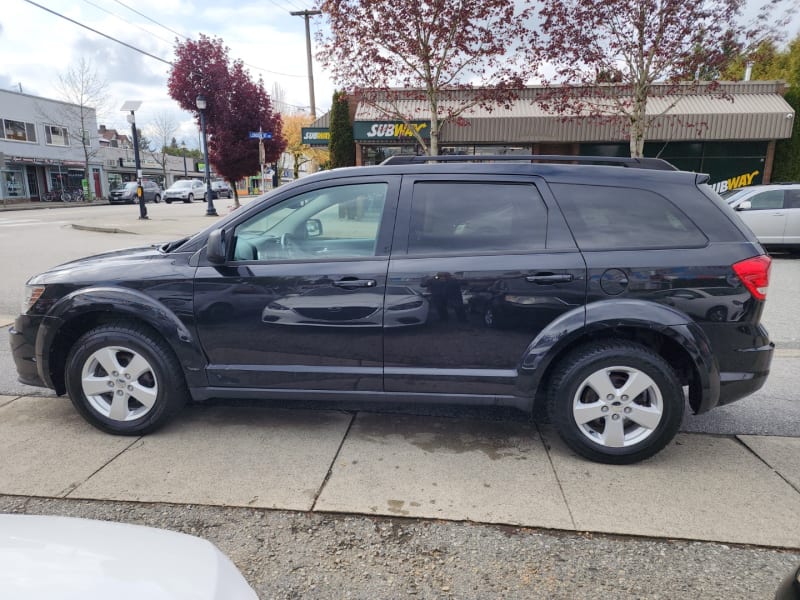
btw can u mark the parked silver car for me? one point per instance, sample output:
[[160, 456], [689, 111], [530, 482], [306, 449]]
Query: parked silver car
[[186, 190], [771, 211]]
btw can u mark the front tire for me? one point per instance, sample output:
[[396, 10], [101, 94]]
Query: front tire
[[156, 199], [124, 380], [189, 199], [615, 402]]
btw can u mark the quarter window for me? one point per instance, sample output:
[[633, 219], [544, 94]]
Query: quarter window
[[480, 217], [615, 218], [19, 131]]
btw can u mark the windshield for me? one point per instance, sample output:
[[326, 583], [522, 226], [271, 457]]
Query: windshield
[[185, 183], [732, 195]]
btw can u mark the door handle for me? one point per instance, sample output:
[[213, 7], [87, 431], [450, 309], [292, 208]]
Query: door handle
[[355, 283], [549, 278]]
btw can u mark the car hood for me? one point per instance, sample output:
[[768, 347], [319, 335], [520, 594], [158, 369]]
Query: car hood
[[94, 267], [45, 557]]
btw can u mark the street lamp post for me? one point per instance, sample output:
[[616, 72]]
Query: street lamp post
[[133, 106], [185, 172], [201, 106]]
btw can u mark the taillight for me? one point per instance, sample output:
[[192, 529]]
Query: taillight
[[754, 273]]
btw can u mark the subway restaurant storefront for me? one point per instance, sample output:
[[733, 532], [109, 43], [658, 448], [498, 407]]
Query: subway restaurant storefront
[[729, 134]]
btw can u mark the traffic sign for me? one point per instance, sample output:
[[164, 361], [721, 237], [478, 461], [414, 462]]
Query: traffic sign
[[266, 135]]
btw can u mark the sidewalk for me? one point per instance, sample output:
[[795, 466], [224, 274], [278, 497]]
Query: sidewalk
[[741, 489]]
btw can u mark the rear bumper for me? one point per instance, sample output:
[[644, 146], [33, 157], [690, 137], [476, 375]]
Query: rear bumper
[[735, 385]]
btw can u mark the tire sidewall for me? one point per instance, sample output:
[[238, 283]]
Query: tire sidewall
[[633, 356], [80, 353]]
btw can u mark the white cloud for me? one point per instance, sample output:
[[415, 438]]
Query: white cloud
[[38, 46]]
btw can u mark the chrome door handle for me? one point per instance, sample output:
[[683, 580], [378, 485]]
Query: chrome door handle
[[355, 283], [547, 278]]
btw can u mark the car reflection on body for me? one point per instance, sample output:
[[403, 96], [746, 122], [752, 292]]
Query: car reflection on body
[[335, 306], [46, 557], [712, 304]]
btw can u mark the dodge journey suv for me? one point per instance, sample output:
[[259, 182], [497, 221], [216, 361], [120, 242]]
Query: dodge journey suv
[[614, 295]]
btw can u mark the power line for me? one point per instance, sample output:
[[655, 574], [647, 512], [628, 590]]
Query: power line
[[105, 10], [100, 33], [151, 20]]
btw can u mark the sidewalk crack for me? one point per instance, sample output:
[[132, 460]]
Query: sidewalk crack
[[333, 462], [555, 474], [71, 488], [758, 456]]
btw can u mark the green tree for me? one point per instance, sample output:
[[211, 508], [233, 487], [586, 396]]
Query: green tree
[[787, 152], [342, 146]]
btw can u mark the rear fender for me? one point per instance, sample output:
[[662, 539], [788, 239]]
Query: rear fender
[[601, 320]]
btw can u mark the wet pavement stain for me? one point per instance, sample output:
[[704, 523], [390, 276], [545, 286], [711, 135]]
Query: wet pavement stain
[[396, 506]]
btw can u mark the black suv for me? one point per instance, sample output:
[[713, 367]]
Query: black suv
[[600, 291]]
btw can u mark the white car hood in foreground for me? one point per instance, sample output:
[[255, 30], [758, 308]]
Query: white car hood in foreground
[[61, 558]]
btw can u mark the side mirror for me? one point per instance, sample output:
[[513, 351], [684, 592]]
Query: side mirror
[[746, 205], [215, 247], [313, 227]]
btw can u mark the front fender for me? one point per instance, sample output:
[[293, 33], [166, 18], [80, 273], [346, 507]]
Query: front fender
[[603, 319], [123, 302]]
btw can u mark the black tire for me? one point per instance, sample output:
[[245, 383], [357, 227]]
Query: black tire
[[167, 200], [157, 379], [641, 425], [156, 199], [189, 199]]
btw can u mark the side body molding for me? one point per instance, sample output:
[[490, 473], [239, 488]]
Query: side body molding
[[598, 319]]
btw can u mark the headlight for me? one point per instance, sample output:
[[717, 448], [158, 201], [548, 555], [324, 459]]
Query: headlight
[[406, 305], [31, 296], [277, 306]]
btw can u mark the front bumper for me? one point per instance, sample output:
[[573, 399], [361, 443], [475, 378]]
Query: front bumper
[[22, 338]]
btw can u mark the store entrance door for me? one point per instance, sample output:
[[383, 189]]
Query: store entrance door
[[33, 183]]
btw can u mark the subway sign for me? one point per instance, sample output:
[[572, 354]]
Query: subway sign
[[316, 136], [375, 131]]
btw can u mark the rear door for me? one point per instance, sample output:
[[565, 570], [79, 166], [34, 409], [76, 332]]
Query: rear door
[[791, 232], [479, 267]]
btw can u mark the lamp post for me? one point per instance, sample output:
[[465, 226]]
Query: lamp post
[[201, 106], [185, 172], [133, 106]]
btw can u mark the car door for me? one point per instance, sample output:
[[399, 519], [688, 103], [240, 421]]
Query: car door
[[492, 263], [765, 216], [791, 232], [299, 304]]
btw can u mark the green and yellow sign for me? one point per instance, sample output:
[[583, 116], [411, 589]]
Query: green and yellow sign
[[379, 131], [316, 136]]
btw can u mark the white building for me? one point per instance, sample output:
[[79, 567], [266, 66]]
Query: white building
[[41, 148]]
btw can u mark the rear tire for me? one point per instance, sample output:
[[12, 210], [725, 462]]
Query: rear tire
[[156, 199], [167, 200], [615, 402], [124, 380]]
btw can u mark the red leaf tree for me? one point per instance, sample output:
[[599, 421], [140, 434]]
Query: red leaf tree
[[644, 49], [236, 106], [452, 55]]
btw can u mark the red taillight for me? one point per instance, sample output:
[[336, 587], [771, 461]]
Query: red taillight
[[754, 273]]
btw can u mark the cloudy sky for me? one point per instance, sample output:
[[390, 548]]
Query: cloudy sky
[[37, 46]]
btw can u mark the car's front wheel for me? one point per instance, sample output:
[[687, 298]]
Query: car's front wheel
[[124, 380], [189, 198], [157, 199], [168, 200], [615, 402]]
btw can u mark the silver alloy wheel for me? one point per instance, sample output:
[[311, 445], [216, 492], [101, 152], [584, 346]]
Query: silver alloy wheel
[[119, 383], [618, 407]]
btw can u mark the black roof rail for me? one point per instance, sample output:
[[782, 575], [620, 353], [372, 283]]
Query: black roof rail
[[639, 163]]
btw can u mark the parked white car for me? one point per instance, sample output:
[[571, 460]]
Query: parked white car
[[47, 558], [771, 211], [186, 190]]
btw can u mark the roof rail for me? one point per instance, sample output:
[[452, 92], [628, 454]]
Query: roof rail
[[639, 163]]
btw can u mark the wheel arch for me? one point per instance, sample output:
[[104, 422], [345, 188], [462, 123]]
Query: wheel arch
[[668, 332], [85, 309]]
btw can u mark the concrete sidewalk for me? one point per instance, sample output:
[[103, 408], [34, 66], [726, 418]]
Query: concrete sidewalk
[[742, 489]]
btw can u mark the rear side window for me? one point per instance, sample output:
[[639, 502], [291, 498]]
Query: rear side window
[[466, 217], [616, 218]]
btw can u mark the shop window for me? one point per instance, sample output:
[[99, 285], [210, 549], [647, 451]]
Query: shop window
[[56, 135], [13, 184]]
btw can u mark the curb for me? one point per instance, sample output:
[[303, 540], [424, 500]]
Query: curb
[[100, 229]]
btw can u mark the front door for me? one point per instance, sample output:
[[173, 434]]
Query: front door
[[490, 264], [300, 304]]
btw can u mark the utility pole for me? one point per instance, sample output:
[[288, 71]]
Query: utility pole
[[307, 14]]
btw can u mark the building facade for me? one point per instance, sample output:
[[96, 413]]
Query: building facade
[[42, 147], [728, 132]]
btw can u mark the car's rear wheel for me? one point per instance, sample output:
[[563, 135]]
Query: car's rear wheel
[[615, 402], [189, 198], [157, 199], [168, 200], [124, 379]]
